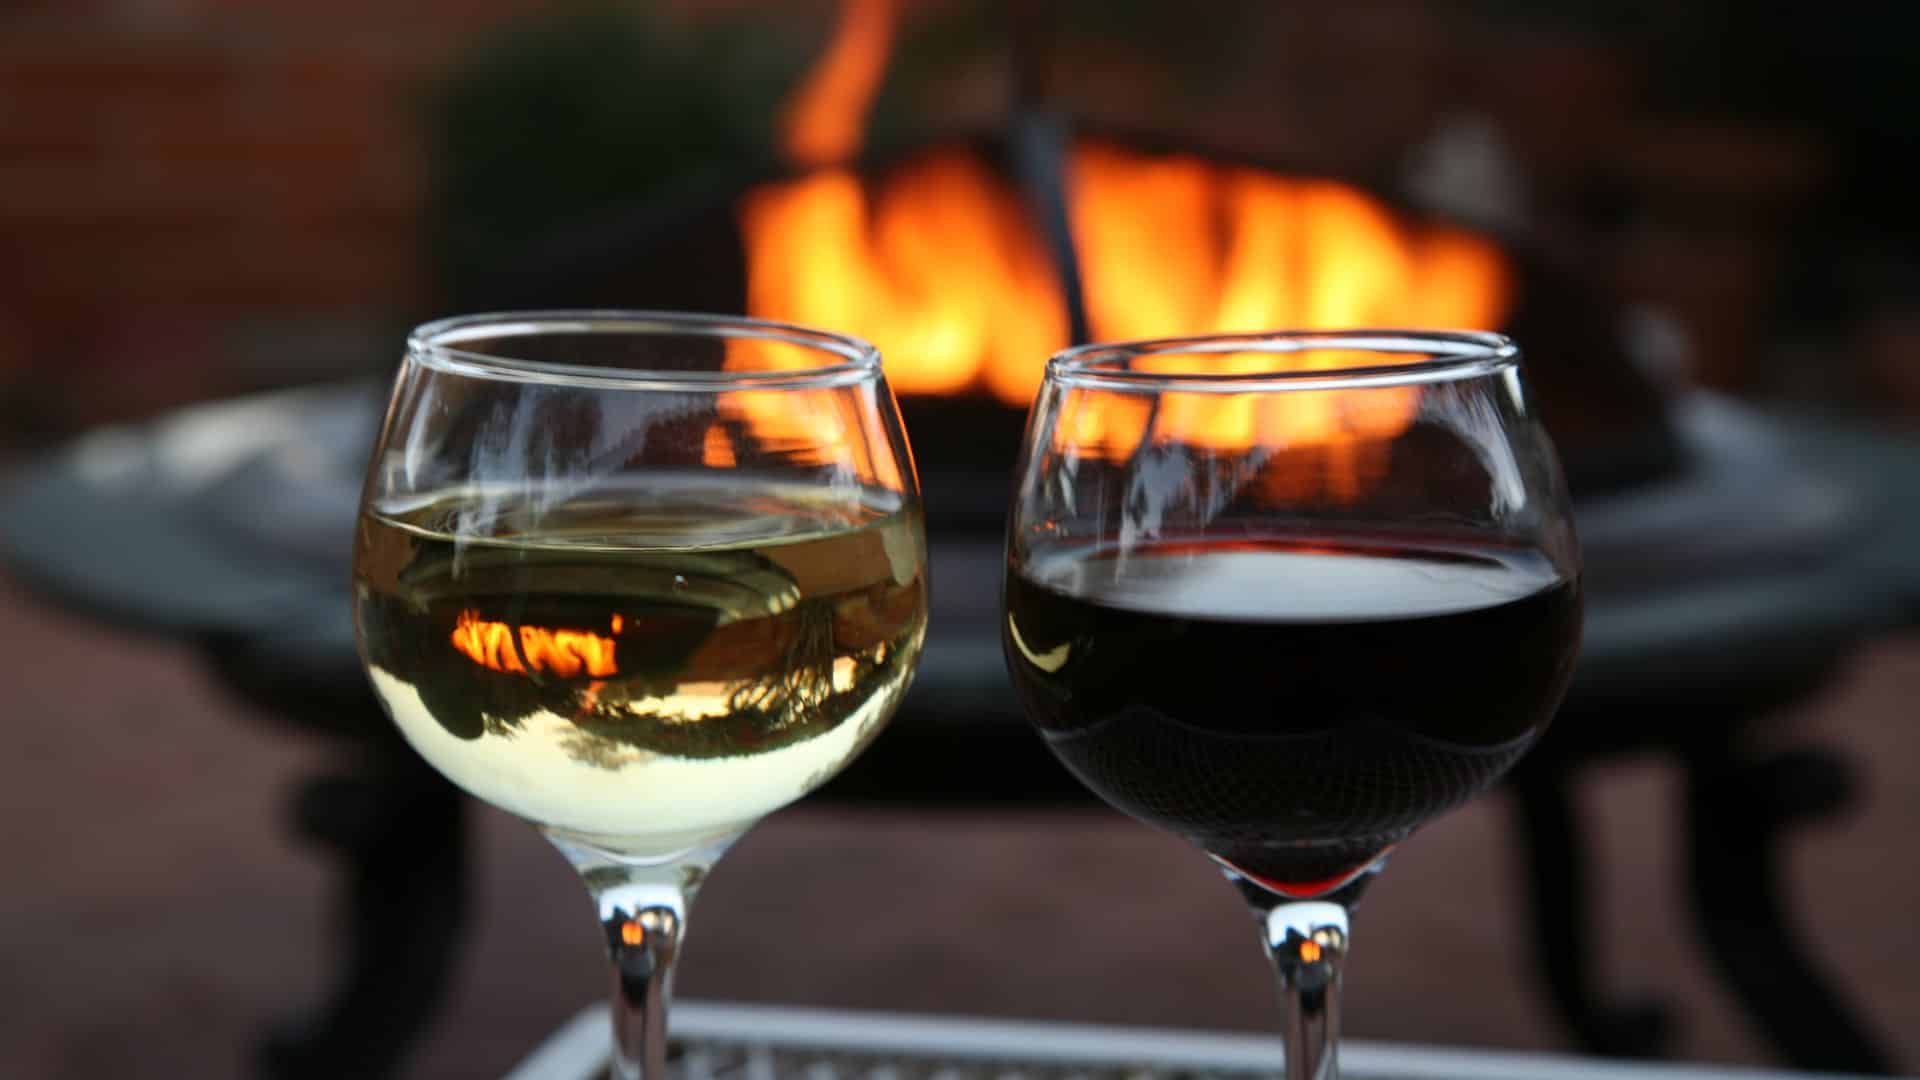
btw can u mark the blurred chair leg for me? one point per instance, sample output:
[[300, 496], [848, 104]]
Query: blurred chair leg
[[1737, 813], [1558, 894], [400, 830]]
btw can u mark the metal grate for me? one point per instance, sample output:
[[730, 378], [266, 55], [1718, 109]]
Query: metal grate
[[745, 1042]]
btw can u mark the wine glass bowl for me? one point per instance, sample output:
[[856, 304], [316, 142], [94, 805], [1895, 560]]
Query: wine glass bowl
[[639, 579], [1290, 596]]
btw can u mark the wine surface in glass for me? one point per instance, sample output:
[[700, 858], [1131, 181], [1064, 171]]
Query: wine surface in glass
[[645, 669], [1294, 707]]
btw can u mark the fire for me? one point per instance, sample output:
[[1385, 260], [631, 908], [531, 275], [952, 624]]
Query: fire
[[716, 449], [562, 653], [1175, 245], [941, 267], [940, 264], [823, 120]]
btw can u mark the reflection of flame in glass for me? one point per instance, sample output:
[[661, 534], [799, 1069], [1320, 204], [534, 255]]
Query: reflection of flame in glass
[[564, 653], [717, 451]]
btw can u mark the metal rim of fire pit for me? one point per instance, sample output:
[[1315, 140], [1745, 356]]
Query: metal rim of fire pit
[[435, 345], [1448, 355]]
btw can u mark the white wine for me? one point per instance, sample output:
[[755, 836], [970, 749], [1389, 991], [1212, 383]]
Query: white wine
[[648, 669]]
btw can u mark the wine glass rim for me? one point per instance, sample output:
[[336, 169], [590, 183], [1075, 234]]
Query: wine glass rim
[[1448, 355], [847, 360]]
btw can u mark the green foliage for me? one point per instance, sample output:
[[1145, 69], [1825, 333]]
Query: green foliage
[[593, 108], [598, 106]]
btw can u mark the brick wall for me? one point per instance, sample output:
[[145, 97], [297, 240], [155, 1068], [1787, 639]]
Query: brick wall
[[199, 194]]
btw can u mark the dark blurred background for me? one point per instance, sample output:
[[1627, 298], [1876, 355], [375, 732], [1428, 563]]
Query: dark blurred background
[[209, 197], [1706, 215]]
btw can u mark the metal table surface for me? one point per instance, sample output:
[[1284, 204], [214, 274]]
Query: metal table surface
[[757, 1042]]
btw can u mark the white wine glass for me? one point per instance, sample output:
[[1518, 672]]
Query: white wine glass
[[639, 579]]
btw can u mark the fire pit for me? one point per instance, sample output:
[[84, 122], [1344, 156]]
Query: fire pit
[[970, 258]]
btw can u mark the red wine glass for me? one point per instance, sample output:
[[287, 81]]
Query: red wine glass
[[1289, 596]]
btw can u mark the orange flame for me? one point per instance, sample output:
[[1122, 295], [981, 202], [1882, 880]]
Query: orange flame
[[717, 449], [824, 118], [1176, 245], [939, 264], [563, 653], [941, 268]]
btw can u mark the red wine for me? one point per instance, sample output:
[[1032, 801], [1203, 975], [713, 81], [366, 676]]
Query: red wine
[[1293, 708]]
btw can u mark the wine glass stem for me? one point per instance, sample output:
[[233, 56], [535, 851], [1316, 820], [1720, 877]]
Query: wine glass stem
[[1313, 1033], [643, 936], [643, 912], [1307, 942]]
